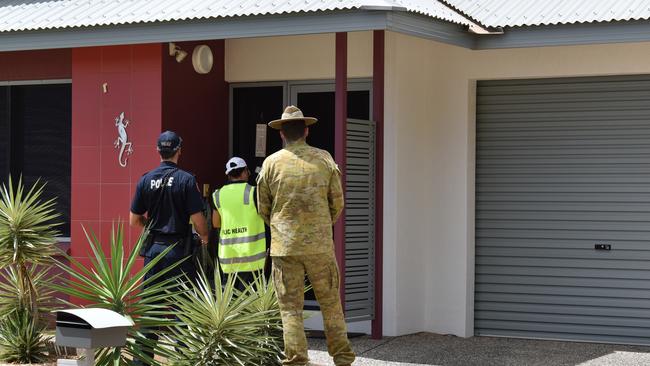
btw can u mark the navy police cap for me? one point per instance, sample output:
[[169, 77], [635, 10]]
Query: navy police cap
[[169, 141]]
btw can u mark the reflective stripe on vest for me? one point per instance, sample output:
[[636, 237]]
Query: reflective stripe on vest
[[242, 241]]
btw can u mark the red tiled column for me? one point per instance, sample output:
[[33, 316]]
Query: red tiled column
[[101, 188]]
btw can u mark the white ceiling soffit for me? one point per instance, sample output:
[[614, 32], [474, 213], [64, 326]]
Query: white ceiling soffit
[[511, 13], [20, 15]]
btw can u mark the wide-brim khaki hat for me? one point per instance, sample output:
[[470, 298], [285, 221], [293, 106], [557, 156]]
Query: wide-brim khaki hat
[[292, 113]]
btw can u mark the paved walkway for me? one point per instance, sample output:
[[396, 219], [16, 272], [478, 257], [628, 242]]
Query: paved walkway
[[432, 349]]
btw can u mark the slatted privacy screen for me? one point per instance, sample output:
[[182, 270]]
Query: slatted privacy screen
[[360, 221], [563, 165]]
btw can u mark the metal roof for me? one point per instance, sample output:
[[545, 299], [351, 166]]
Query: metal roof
[[514, 13], [433, 8], [20, 15]]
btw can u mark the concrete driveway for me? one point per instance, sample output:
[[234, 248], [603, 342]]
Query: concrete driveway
[[433, 349]]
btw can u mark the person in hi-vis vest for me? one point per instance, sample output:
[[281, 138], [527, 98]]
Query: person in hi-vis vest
[[242, 236]]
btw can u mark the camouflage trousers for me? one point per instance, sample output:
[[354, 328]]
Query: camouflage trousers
[[289, 279]]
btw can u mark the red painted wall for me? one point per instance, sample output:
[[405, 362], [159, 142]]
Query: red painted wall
[[195, 106], [101, 188], [35, 65], [156, 93]]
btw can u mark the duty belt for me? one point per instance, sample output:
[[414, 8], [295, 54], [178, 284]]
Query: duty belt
[[169, 239]]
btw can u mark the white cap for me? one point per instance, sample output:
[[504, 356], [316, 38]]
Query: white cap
[[235, 163]]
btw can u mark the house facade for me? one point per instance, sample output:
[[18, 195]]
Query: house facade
[[496, 159]]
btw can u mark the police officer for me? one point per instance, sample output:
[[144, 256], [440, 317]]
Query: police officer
[[300, 197], [242, 238], [170, 198]]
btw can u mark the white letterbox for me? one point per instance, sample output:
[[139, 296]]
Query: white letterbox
[[90, 329]]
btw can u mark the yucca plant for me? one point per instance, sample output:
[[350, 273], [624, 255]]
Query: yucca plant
[[112, 283], [27, 237], [41, 278], [271, 333], [22, 338], [220, 325], [27, 243]]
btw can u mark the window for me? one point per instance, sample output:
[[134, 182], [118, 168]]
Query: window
[[5, 147], [35, 140]]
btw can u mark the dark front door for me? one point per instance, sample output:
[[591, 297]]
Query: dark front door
[[253, 106], [321, 106], [318, 101]]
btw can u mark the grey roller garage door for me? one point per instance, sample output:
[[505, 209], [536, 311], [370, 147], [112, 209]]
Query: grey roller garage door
[[563, 166]]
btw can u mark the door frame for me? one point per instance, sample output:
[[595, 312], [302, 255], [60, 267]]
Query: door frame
[[291, 90], [292, 87]]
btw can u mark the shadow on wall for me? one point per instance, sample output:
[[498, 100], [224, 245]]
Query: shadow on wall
[[196, 107], [434, 349]]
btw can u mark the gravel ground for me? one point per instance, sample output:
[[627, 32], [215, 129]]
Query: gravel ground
[[432, 349]]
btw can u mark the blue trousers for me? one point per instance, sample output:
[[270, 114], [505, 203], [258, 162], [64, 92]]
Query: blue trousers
[[175, 255]]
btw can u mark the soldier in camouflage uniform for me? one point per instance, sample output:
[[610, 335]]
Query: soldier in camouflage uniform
[[300, 197]]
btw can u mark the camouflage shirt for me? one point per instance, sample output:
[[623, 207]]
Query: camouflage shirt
[[300, 197]]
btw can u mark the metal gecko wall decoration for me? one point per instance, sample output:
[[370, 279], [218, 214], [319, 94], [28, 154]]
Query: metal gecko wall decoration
[[122, 142]]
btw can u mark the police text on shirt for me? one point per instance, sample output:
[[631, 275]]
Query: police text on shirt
[[156, 183]]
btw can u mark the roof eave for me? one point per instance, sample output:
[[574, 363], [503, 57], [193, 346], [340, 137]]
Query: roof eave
[[395, 19], [329, 22], [568, 35], [196, 30], [383, 8]]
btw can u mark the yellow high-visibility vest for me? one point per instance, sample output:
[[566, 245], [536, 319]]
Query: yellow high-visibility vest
[[242, 241]]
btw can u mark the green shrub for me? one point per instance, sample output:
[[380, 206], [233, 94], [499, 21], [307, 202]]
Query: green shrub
[[272, 335], [113, 283], [27, 236], [22, 338], [41, 278], [220, 325], [27, 244]]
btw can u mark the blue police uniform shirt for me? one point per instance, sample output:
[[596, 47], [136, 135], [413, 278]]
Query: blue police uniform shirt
[[181, 199]]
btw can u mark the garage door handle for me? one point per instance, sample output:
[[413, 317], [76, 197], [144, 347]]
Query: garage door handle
[[603, 246]]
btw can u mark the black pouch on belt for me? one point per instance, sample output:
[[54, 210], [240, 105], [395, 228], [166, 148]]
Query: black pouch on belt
[[147, 242], [190, 242]]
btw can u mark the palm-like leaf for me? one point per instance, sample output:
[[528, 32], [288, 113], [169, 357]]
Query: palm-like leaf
[[27, 233], [27, 236], [267, 302], [112, 283], [10, 289], [223, 326], [27, 243], [22, 339]]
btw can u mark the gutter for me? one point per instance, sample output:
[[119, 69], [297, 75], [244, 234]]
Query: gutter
[[383, 6], [480, 30]]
